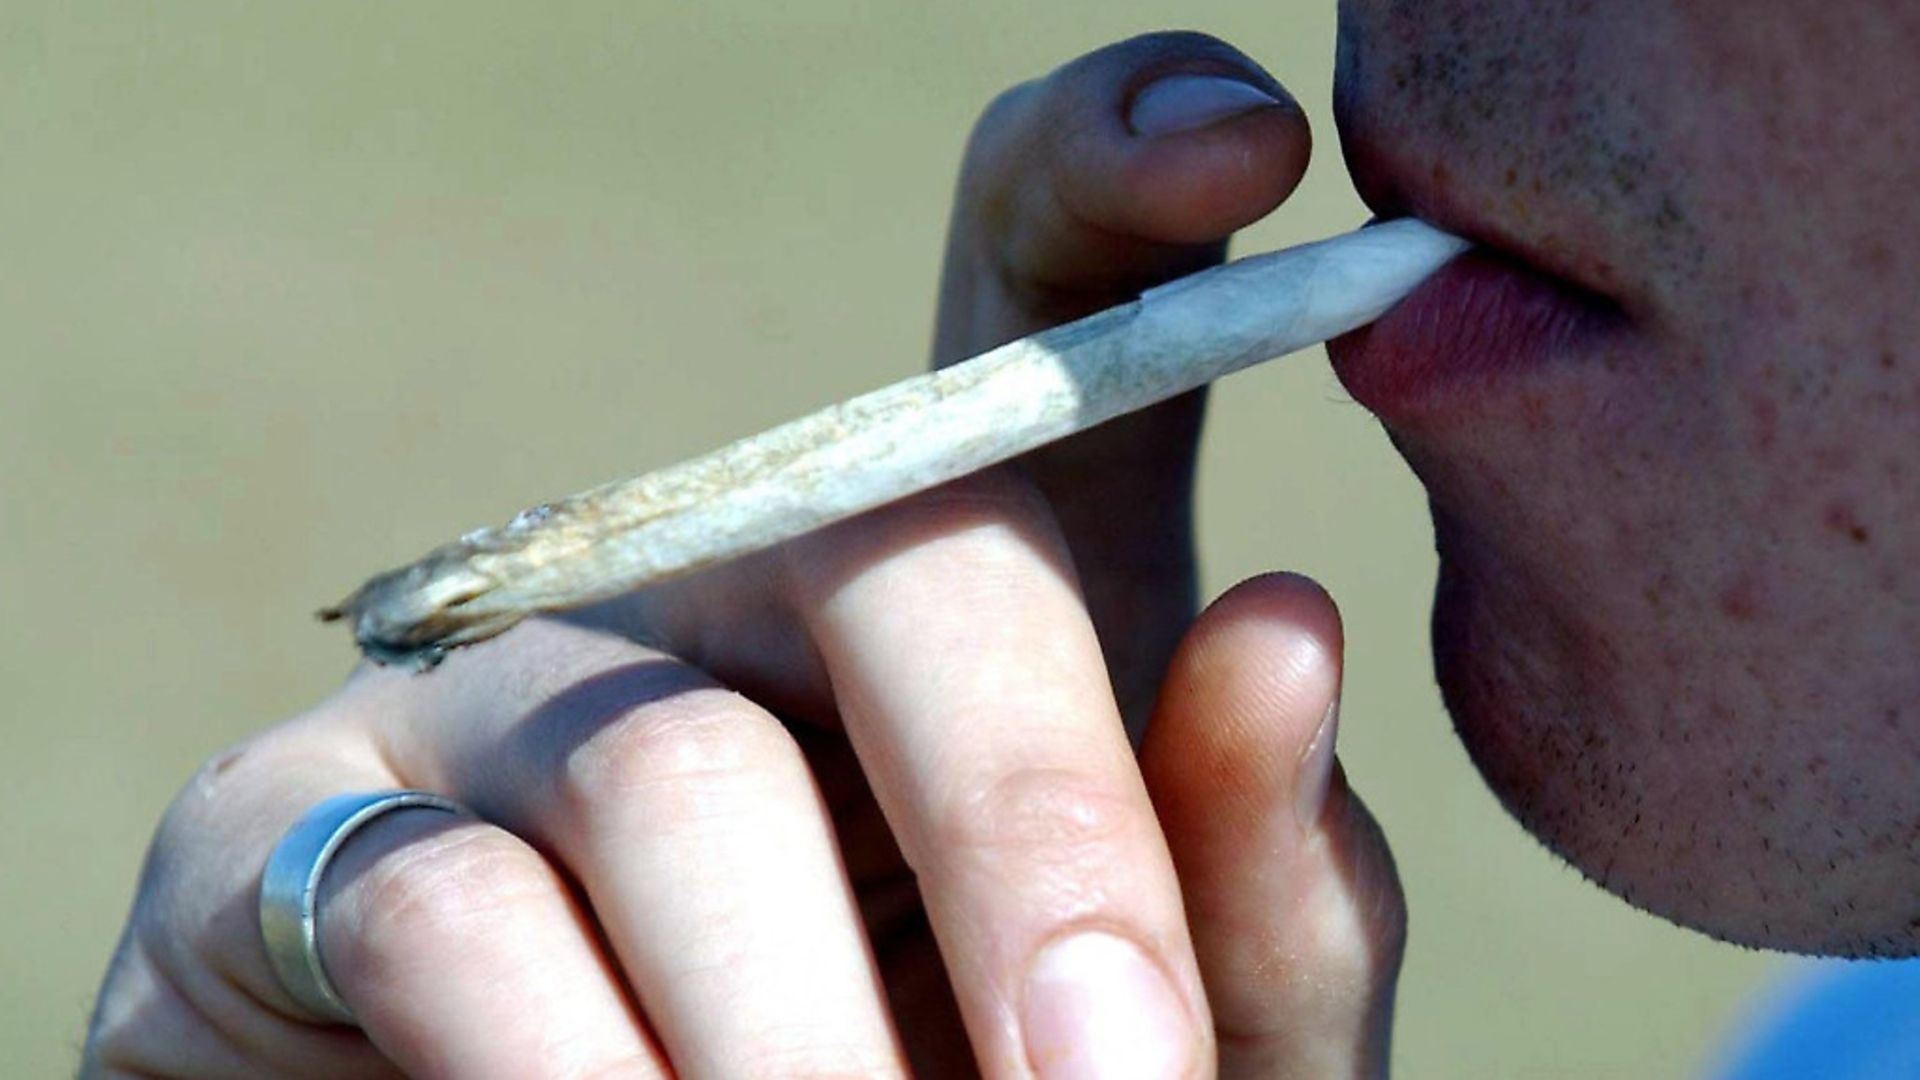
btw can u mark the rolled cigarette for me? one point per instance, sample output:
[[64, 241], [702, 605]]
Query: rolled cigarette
[[889, 443]]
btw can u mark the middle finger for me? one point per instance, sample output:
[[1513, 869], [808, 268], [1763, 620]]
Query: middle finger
[[971, 684]]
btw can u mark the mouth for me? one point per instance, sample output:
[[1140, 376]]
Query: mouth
[[1489, 321]]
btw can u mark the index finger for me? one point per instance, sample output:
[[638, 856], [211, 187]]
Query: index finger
[[971, 684]]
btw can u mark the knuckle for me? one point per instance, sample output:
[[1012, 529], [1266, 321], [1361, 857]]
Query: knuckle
[[1016, 164], [995, 172], [431, 895], [683, 746], [1038, 815], [210, 784], [1001, 115], [210, 777], [181, 909], [994, 130]]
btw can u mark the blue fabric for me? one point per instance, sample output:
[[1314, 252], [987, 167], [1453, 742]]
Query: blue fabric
[[1836, 1021]]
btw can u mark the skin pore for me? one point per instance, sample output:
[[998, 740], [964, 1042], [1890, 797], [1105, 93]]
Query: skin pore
[[1675, 622]]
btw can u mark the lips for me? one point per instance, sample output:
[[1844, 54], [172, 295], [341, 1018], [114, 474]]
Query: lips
[[1507, 312], [1474, 329]]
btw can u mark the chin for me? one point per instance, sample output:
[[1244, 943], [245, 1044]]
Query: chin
[[1668, 443], [1713, 818]]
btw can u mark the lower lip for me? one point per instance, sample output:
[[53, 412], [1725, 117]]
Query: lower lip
[[1477, 324]]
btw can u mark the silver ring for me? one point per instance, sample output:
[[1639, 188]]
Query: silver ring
[[291, 885]]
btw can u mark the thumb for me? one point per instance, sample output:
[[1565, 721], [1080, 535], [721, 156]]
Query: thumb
[[1122, 169], [1128, 166], [1297, 916]]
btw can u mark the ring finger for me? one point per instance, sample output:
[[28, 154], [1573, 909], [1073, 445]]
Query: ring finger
[[689, 818], [462, 953]]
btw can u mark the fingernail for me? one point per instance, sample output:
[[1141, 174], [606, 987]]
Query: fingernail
[[1315, 770], [1096, 1007], [1185, 102]]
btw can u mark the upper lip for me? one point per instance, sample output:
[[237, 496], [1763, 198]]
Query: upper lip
[[1402, 183]]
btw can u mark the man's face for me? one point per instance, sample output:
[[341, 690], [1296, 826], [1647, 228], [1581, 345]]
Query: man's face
[[1678, 617]]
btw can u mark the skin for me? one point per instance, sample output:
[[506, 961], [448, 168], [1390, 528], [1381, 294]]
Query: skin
[[1674, 623], [824, 811], [820, 812]]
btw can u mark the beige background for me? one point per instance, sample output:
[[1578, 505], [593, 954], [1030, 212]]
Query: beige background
[[290, 292]]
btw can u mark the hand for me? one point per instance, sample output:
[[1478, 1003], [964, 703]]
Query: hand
[[864, 802]]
